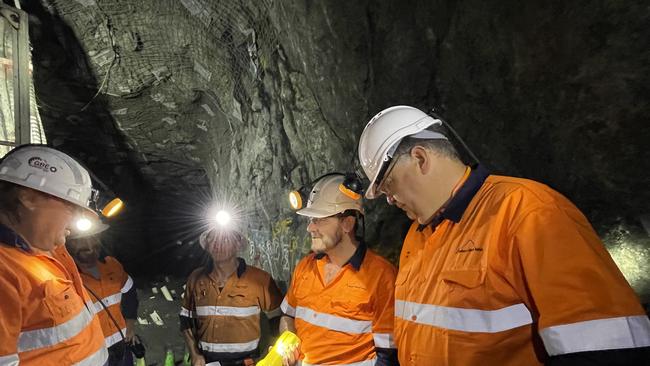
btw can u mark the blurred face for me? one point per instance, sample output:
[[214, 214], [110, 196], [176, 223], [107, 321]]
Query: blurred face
[[222, 246], [85, 251], [47, 219], [325, 232]]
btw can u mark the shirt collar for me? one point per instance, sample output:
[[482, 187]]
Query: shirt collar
[[458, 204], [357, 258], [10, 237], [241, 267]]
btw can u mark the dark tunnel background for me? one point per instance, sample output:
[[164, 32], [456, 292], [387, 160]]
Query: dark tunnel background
[[177, 105]]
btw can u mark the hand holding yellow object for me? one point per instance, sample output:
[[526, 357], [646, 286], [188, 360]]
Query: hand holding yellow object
[[283, 349]]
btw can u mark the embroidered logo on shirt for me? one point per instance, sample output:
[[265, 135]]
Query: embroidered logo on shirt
[[470, 246]]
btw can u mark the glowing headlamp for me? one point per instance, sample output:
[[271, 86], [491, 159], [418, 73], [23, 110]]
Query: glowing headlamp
[[295, 200], [222, 218], [83, 224], [113, 207]]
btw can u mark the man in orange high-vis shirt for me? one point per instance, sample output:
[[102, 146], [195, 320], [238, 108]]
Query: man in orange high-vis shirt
[[511, 274], [107, 284], [46, 316], [223, 302], [340, 302]]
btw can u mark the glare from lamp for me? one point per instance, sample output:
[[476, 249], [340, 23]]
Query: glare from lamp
[[223, 218], [83, 224]]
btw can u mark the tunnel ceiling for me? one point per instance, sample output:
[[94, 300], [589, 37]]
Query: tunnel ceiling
[[245, 99]]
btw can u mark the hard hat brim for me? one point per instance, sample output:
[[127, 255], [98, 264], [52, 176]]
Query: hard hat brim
[[314, 212]]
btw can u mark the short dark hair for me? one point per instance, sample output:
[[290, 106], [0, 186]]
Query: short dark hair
[[9, 201], [439, 146]]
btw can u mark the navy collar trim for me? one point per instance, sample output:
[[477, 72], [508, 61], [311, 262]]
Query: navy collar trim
[[241, 267], [357, 258], [10, 237], [459, 203]]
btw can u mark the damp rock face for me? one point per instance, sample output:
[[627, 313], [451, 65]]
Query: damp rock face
[[179, 103]]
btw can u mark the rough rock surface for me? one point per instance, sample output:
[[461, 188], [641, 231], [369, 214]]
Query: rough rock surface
[[238, 101]]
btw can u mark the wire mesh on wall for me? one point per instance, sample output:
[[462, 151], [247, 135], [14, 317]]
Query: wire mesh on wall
[[14, 89]]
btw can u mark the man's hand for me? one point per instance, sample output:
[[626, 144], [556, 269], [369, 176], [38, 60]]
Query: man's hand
[[197, 359], [291, 358], [130, 331]]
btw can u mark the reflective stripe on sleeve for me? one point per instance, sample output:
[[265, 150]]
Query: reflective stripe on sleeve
[[383, 340], [39, 338], [114, 338], [333, 322], [288, 309], [227, 311], [107, 301], [10, 360], [273, 313], [186, 313], [468, 320], [127, 286], [229, 347], [98, 358], [362, 363], [596, 335]]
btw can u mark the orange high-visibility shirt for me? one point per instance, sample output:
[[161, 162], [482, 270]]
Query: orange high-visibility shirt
[[512, 273], [227, 321], [344, 321], [112, 283], [46, 317]]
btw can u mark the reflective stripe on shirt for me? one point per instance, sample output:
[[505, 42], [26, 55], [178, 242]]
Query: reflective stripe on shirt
[[362, 363], [229, 347], [127, 286], [333, 322], [10, 360], [186, 313], [383, 340], [468, 320], [114, 338], [288, 309], [596, 335], [97, 358], [46, 337], [227, 311], [107, 301]]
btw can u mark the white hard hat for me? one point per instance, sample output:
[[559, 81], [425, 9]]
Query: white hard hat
[[49, 171], [382, 135], [327, 199], [95, 229]]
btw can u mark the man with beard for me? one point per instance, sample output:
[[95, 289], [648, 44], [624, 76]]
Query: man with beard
[[340, 302], [111, 288], [220, 316]]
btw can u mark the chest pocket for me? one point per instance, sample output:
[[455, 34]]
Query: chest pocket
[[303, 287], [241, 296], [463, 284], [353, 300], [61, 300]]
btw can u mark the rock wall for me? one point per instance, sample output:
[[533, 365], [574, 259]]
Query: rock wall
[[239, 101]]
